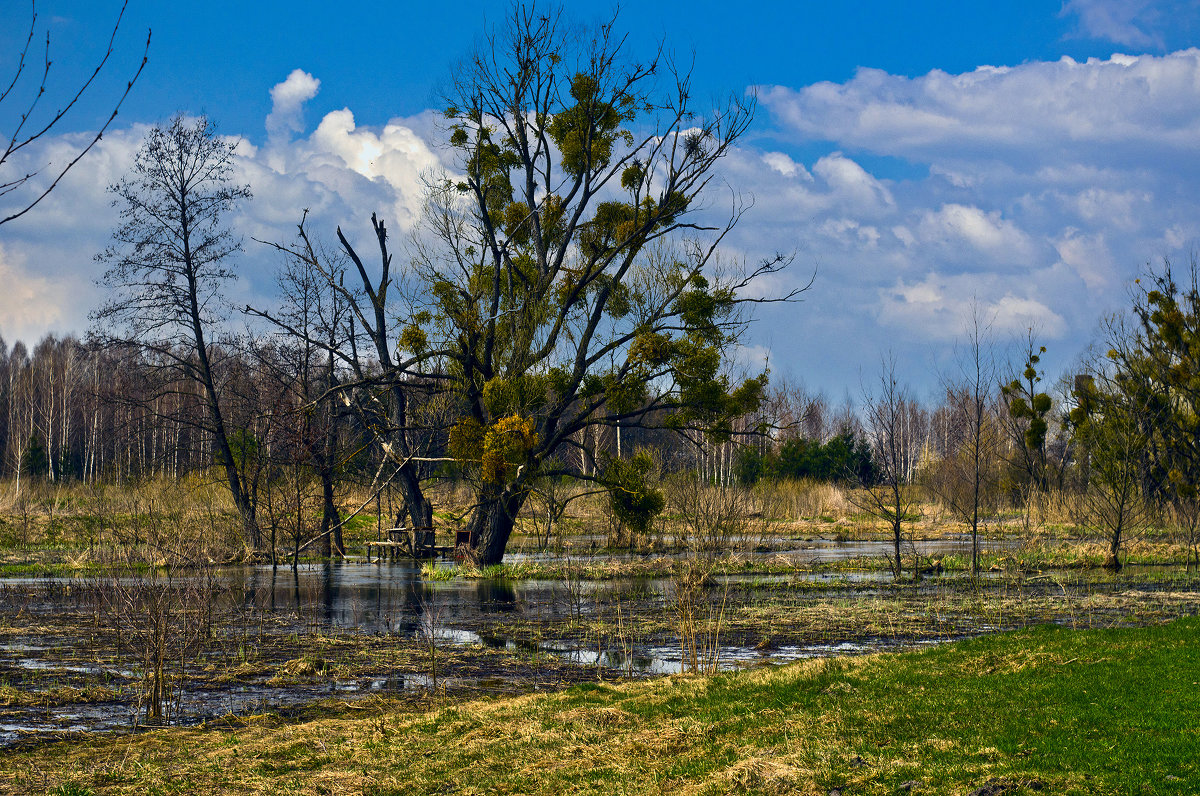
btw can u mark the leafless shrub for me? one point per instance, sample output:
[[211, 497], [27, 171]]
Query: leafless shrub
[[158, 600], [548, 501], [712, 517]]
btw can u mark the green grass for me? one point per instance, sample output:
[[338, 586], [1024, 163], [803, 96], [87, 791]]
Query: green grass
[[1048, 709], [361, 527], [431, 571]]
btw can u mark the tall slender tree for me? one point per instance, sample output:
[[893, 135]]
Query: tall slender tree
[[966, 469], [167, 268], [888, 414]]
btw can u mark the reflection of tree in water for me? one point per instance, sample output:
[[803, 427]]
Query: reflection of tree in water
[[398, 606], [388, 600], [250, 589], [496, 595], [416, 593], [329, 592]]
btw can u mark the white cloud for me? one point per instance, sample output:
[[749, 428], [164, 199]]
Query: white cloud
[[1013, 316], [985, 232], [785, 165], [751, 359], [1037, 189], [851, 183], [953, 177], [1089, 255], [939, 307], [395, 157], [341, 173], [850, 232], [1141, 108], [1177, 237], [1134, 23], [287, 104], [1114, 209], [29, 304]]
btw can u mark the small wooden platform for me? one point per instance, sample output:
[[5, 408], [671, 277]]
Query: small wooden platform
[[416, 543]]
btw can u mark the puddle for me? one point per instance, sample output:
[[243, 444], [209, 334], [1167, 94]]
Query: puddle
[[664, 660]]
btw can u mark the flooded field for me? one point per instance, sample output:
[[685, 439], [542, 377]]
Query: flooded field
[[80, 654]]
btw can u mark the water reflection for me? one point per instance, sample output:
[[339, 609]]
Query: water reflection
[[812, 550]]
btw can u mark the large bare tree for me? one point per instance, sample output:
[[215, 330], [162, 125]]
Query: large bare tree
[[167, 267], [358, 331]]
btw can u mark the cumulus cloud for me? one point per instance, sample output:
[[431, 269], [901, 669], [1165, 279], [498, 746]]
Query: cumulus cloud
[[785, 165], [1046, 182], [851, 182], [287, 104], [360, 162], [1089, 255], [1036, 190], [1142, 108], [939, 307], [983, 232], [340, 173]]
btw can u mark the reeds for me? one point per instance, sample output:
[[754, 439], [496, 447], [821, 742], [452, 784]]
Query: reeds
[[698, 607]]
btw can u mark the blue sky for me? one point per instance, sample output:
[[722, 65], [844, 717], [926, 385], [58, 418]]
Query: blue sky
[[886, 153], [386, 60]]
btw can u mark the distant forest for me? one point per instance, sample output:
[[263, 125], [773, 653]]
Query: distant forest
[[72, 410]]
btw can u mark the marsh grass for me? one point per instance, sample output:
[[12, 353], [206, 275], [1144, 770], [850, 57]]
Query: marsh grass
[[1045, 709], [698, 615], [76, 528]]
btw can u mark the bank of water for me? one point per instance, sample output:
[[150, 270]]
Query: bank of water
[[380, 602]]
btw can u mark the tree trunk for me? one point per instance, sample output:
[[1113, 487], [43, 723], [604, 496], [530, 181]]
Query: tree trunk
[[331, 521], [491, 524], [330, 517], [1113, 561], [975, 522], [420, 510], [896, 529]]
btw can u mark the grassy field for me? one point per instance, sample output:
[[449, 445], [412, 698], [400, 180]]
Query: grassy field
[[1043, 710]]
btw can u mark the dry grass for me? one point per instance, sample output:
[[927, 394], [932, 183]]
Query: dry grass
[[57, 528], [803, 500]]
